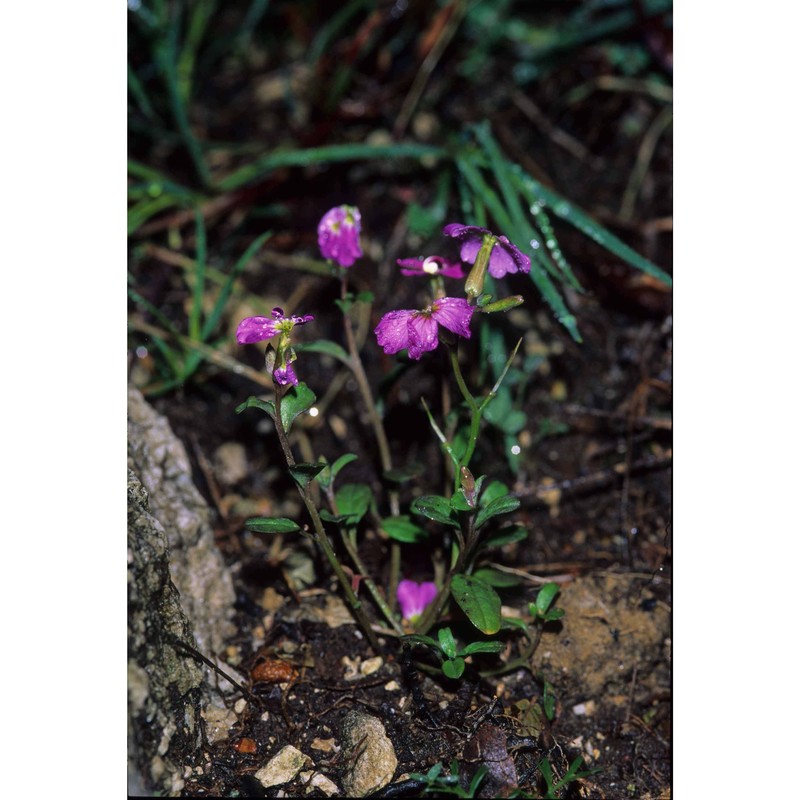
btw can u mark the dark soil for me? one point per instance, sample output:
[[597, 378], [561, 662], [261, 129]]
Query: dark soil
[[594, 474]]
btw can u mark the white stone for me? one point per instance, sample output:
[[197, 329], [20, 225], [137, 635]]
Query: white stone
[[282, 767]]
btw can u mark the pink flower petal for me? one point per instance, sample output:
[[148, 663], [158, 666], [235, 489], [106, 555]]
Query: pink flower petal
[[255, 329], [392, 331], [455, 314], [423, 334]]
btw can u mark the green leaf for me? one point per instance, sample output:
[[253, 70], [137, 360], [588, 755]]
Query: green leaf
[[478, 601], [353, 501], [325, 478], [342, 462], [496, 578], [511, 423], [434, 507], [459, 502], [267, 406], [402, 529], [493, 490], [271, 525], [422, 639], [453, 668], [545, 597], [327, 347], [295, 402], [482, 647], [303, 474], [339, 519], [447, 642], [507, 536], [365, 297], [501, 505]]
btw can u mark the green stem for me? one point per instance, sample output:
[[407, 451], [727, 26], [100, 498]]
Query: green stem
[[476, 412], [357, 368], [319, 529]]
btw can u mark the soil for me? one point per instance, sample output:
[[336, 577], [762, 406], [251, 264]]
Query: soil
[[594, 475]]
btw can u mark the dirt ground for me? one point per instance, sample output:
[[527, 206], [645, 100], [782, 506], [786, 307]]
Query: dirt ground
[[594, 475]]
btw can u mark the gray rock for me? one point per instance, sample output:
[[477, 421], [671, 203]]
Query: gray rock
[[165, 688], [180, 595], [162, 465], [368, 753]]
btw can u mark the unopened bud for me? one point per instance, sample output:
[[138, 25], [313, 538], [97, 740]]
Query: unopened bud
[[505, 304]]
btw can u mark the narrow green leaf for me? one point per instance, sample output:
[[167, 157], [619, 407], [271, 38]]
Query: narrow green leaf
[[329, 154], [336, 519], [296, 401], [501, 580], [501, 505], [536, 192], [227, 288], [507, 536], [402, 529], [271, 525], [453, 668], [482, 647], [434, 507], [478, 601]]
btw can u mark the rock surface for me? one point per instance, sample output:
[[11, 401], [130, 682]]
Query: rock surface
[[162, 465], [368, 753], [165, 688], [180, 596]]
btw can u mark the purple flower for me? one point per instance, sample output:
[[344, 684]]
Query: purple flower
[[256, 329], [284, 375], [279, 361], [415, 597], [338, 233], [432, 265], [418, 331], [505, 257]]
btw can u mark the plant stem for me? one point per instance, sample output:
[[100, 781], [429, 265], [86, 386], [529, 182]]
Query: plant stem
[[357, 368], [319, 529], [476, 412]]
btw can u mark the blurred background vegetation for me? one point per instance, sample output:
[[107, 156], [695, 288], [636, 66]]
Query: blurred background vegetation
[[549, 122]]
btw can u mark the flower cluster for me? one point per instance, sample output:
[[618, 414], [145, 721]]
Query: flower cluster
[[257, 329], [418, 331], [337, 235]]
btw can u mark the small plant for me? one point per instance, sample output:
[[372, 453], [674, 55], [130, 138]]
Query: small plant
[[554, 787], [467, 513], [450, 655], [436, 781]]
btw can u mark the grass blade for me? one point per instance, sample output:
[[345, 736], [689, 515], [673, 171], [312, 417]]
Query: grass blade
[[328, 154], [536, 193]]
